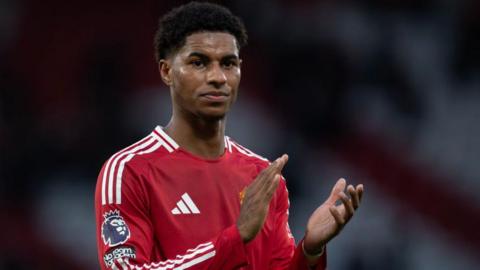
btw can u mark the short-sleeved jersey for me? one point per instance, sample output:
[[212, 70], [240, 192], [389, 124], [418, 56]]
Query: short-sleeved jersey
[[160, 207]]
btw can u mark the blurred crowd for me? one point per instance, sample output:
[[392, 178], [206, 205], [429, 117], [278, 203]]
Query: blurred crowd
[[382, 92]]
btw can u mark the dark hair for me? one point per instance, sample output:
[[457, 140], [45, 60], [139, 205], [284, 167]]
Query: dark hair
[[180, 22]]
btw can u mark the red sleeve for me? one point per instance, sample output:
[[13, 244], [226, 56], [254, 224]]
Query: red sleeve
[[285, 254], [125, 238]]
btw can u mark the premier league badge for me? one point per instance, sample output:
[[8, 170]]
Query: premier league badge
[[114, 229]]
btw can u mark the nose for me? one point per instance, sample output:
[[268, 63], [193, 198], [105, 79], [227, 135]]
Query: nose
[[216, 76]]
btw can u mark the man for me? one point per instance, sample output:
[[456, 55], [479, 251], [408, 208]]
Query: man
[[188, 197]]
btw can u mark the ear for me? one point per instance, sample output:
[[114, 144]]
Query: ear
[[164, 67]]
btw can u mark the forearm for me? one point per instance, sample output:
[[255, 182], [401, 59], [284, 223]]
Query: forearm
[[226, 251]]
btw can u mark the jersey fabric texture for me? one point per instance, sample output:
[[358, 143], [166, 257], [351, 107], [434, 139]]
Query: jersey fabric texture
[[160, 207]]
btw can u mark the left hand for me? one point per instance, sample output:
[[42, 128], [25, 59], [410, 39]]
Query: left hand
[[329, 219]]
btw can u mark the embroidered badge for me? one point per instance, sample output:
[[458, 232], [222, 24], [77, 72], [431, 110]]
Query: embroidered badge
[[114, 229]]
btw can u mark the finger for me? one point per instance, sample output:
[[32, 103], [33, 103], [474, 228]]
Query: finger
[[336, 215], [283, 160], [266, 178], [359, 190], [259, 179], [266, 194], [266, 174], [347, 203], [354, 196], [339, 187], [275, 168], [273, 187], [280, 160], [277, 165], [272, 167]]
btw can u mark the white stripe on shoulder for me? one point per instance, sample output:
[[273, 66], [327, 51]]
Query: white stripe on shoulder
[[245, 151], [164, 143], [111, 174], [108, 167], [227, 144], [166, 137], [122, 166], [113, 171]]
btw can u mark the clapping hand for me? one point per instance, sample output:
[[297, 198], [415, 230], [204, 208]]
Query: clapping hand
[[329, 219]]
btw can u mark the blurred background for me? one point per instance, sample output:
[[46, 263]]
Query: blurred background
[[381, 92]]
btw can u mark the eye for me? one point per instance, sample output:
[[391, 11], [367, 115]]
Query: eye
[[197, 63], [229, 63]]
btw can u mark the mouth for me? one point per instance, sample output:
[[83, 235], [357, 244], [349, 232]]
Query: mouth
[[215, 96]]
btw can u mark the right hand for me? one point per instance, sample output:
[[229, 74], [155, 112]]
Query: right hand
[[257, 199]]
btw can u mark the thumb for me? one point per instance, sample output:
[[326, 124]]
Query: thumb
[[339, 187]]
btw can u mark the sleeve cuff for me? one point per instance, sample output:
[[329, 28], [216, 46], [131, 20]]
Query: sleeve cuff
[[234, 246], [301, 262]]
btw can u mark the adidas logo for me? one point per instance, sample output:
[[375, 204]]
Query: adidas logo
[[185, 206]]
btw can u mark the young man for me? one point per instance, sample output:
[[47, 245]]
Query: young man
[[188, 197]]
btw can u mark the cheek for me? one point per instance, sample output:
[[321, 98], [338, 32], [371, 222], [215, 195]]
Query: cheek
[[178, 78], [185, 81], [234, 80]]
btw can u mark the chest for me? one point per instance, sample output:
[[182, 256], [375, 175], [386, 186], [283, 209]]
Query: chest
[[191, 202]]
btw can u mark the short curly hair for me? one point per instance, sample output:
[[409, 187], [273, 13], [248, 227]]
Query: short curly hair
[[194, 17]]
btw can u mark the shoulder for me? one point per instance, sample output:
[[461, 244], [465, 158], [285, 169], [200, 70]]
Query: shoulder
[[244, 153], [139, 153], [128, 163]]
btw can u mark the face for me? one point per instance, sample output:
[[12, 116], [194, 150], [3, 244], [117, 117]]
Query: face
[[204, 75]]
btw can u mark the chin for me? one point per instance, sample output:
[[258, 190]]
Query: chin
[[213, 115]]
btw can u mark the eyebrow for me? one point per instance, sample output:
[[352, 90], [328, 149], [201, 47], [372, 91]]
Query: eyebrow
[[204, 56]]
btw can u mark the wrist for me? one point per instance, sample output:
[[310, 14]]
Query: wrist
[[311, 249], [312, 258], [243, 234]]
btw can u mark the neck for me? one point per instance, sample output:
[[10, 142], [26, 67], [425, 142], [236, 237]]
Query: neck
[[199, 136]]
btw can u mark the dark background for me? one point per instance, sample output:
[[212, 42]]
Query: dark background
[[382, 92]]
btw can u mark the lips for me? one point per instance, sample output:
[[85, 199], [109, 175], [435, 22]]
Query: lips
[[215, 96]]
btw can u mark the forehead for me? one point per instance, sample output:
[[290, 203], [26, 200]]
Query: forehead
[[210, 43]]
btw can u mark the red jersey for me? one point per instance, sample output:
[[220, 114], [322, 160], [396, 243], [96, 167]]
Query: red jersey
[[160, 207]]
